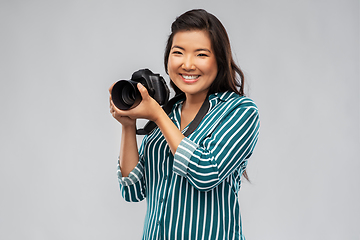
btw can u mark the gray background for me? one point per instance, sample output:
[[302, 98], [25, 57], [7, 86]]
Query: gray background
[[59, 144]]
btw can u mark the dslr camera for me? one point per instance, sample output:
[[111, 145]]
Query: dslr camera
[[126, 95]]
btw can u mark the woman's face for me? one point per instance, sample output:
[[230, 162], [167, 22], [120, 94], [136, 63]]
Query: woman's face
[[192, 64]]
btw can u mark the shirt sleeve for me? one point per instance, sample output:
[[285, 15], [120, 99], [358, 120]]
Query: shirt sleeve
[[227, 148], [133, 187]]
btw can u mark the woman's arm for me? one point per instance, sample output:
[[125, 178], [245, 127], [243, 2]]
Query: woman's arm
[[151, 110], [171, 133], [129, 156], [225, 149], [147, 109]]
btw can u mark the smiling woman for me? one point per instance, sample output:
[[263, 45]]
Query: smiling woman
[[191, 181], [192, 64]]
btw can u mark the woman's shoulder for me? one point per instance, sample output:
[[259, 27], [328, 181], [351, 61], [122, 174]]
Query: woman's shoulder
[[236, 100]]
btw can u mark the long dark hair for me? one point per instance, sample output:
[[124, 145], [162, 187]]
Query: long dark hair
[[229, 76]]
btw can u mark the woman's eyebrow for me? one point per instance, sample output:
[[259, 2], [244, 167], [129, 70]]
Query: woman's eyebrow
[[202, 49], [197, 50], [175, 46]]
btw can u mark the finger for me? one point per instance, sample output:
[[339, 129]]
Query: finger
[[111, 103], [143, 91], [115, 107], [112, 110], [111, 88]]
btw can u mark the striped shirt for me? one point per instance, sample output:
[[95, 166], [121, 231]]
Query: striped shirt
[[194, 193]]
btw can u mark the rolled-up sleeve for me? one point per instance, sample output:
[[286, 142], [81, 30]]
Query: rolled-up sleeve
[[225, 149], [133, 187]]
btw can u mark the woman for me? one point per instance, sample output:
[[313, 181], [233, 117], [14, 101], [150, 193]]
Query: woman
[[191, 183]]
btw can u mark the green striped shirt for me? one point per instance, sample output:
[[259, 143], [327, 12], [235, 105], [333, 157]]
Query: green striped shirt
[[194, 194]]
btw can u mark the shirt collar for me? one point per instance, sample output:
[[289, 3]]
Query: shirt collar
[[222, 96], [214, 98]]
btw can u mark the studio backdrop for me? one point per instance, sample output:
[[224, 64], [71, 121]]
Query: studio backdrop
[[59, 143]]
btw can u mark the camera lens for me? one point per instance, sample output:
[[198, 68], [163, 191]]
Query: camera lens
[[128, 95], [125, 94]]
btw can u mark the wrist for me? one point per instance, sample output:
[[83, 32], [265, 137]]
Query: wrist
[[129, 127], [159, 116]]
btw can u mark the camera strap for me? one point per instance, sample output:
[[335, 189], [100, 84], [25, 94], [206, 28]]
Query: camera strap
[[150, 126]]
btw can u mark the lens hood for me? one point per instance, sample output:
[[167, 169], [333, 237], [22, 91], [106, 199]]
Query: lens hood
[[125, 94]]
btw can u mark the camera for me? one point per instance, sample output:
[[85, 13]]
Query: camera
[[126, 95]]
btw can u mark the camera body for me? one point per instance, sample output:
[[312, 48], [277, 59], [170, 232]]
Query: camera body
[[126, 95]]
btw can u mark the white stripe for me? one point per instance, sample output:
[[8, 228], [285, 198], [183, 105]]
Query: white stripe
[[179, 210], [212, 209], [205, 213], [191, 209], [172, 210], [219, 207], [203, 174], [184, 216]]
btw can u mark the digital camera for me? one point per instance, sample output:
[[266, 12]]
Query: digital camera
[[126, 95]]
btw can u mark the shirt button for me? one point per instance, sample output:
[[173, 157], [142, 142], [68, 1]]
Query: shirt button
[[158, 223], [165, 177], [161, 200]]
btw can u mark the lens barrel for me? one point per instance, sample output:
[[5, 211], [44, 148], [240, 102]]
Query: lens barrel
[[125, 94]]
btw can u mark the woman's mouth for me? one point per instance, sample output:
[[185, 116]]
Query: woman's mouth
[[189, 78]]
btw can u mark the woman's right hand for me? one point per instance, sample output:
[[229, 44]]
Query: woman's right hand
[[115, 112]]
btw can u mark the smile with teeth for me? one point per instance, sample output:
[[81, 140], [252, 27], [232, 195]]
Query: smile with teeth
[[190, 77]]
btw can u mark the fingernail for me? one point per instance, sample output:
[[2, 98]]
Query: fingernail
[[140, 86]]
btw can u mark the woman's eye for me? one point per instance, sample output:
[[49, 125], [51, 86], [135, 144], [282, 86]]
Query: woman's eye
[[177, 52], [202, 55]]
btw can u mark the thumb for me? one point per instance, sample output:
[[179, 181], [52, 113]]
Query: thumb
[[143, 91]]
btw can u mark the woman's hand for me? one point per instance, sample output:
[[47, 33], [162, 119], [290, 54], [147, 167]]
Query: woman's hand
[[116, 113], [147, 109]]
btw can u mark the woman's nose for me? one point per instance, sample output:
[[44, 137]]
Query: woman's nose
[[188, 64]]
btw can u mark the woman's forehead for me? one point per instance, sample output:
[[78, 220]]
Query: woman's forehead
[[193, 39]]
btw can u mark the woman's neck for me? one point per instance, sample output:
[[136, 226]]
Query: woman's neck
[[190, 108], [194, 100]]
